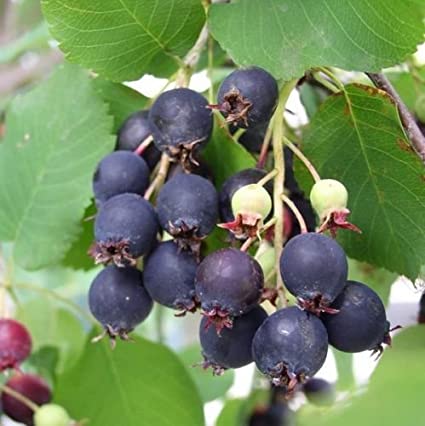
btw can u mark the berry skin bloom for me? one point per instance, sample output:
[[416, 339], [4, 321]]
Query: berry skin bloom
[[228, 283], [15, 343], [290, 346]]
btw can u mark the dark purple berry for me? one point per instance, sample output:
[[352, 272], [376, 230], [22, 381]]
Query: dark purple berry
[[133, 132], [15, 343], [228, 283], [277, 414], [361, 323], [290, 346], [319, 392], [314, 269], [232, 348], [169, 277], [421, 315], [304, 206], [31, 386], [180, 122], [201, 170], [187, 208], [252, 138], [235, 182], [248, 97], [119, 301], [125, 229], [118, 173]]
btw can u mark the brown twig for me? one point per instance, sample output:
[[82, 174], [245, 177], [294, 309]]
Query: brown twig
[[413, 132]]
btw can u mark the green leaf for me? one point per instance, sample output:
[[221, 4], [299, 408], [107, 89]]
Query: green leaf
[[209, 386], [122, 100], [393, 397], [140, 383], [407, 87], [288, 37], [225, 156], [123, 39], [55, 136], [344, 365], [231, 413], [44, 362], [357, 138], [53, 326]]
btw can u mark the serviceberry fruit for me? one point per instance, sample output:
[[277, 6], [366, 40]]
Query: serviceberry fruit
[[228, 284], [187, 207], [314, 269], [118, 173], [290, 346], [32, 387], [119, 301], [251, 204], [252, 138], [276, 414], [421, 315], [169, 277], [15, 343], [232, 348], [247, 97], [304, 206], [329, 199], [232, 184], [361, 323], [133, 132], [180, 123], [319, 392], [51, 415], [125, 229]]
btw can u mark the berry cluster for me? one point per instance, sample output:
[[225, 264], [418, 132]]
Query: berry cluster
[[227, 285], [15, 348]]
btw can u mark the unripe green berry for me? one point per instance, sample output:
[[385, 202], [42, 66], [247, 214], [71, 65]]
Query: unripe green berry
[[51, 415], [252, 199], [328, 195], [266, 256], [420, 107]]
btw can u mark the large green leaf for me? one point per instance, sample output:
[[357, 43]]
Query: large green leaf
[[55, 136], [225, 156], [122, 39], [287, 37], [394, 396], [356, 137], [138, 383]]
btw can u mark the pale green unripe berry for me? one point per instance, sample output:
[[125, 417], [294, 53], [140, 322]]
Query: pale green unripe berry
[[328, 195], [51, 415], [420, 107], [252, 199], [266, 256]]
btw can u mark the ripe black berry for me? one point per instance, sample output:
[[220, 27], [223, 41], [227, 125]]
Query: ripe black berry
[[314, 269], [361, 323], [228, 283], [235, 182], [319, 392], [277, 414], [30, 386], [232, 348], [15, 343], [290, 346], [252, 138], [169, 277], [187, 208], [421, 315], [118, 173], [180, 123], [125, 229], [248, 97], [133, 132], [118, 300]]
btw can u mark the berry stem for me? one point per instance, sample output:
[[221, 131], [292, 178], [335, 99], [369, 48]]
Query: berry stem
[[303, 158], [333, 77], [164, 165], [143, 145], [21, 398], [265, 148], [297, 213], [210, 69], [51, 293], [267, 177], [247, 244], [279, 179], [324, 82]]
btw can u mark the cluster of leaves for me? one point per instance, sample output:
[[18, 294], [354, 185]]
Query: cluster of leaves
[[57, 132]]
